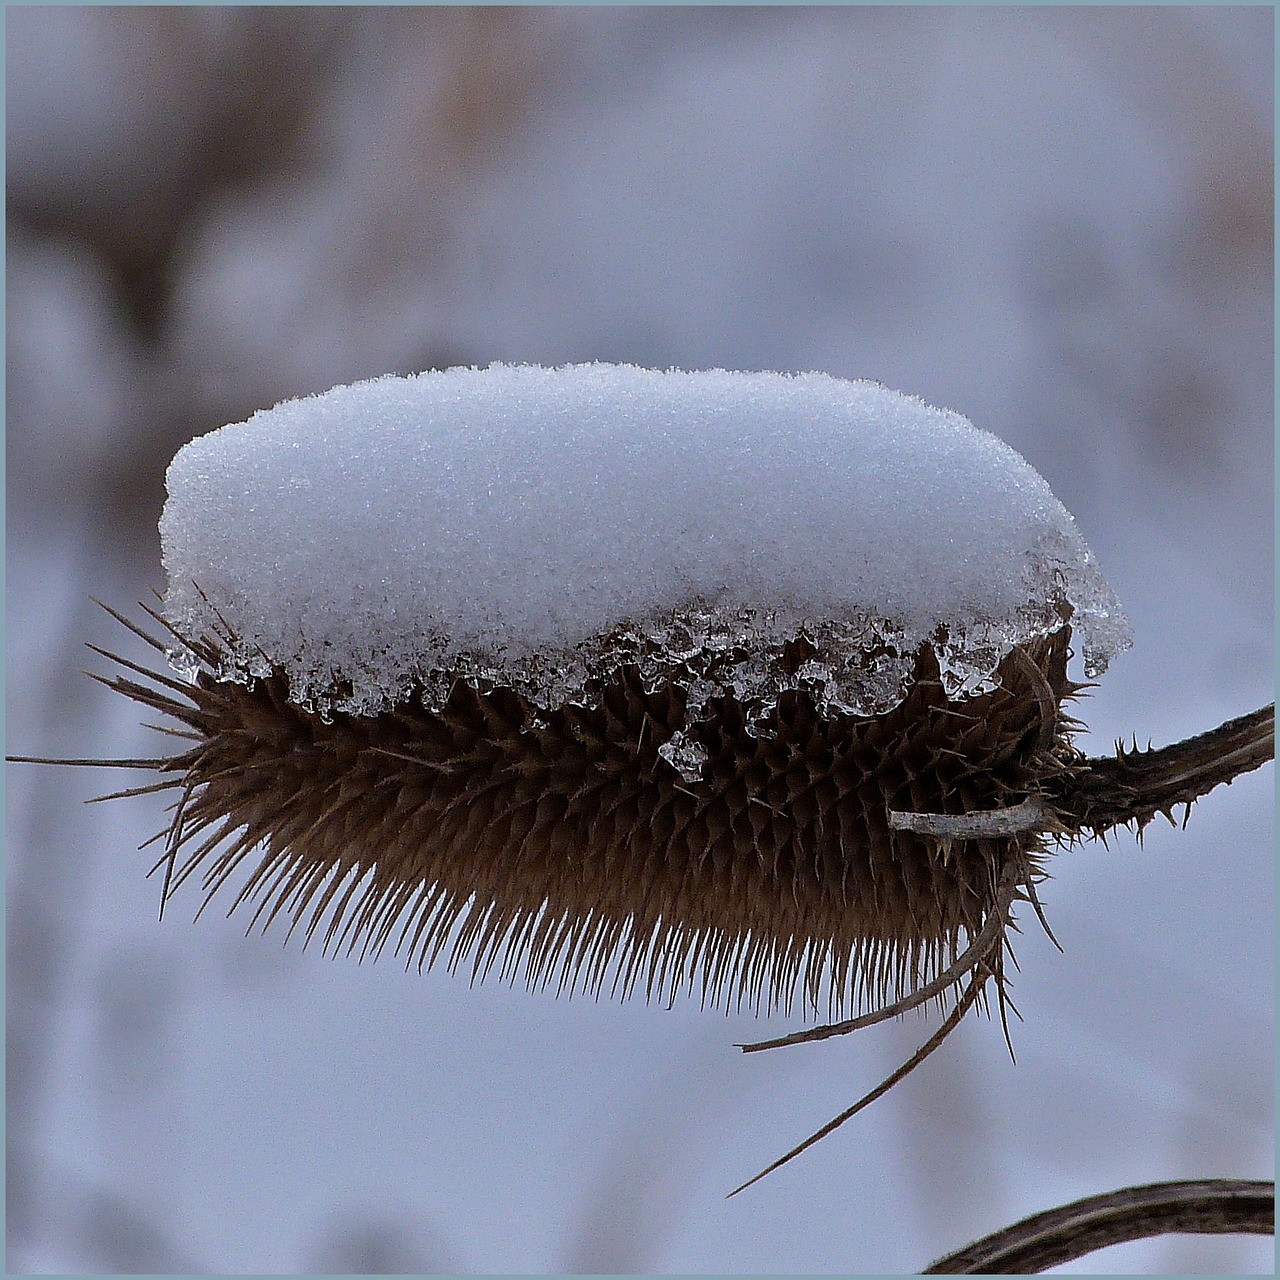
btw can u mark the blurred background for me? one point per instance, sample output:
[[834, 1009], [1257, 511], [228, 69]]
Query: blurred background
[[1056, 221]]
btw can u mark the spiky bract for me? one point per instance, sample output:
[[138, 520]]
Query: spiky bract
[[560, 848]]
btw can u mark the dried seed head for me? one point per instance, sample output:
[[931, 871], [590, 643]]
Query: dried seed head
[[737, 685], [612, 679], [614, 742], [563, 848]]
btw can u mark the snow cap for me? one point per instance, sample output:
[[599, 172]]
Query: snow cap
[[537, 527]]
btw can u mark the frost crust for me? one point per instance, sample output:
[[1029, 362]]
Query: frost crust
[[539, 528]]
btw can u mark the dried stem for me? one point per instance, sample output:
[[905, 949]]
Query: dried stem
[[1133, 786], [981, 824], [1216, 1206], [954, 1018]]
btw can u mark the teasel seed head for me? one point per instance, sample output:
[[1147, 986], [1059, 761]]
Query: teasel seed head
[[777, 761], [821, 859], [562, 849]]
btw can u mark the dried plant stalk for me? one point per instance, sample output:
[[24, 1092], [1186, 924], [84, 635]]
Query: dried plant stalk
[[1217, 1206], [1133, 786]]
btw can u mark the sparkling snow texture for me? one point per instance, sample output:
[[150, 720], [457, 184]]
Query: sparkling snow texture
[[537, 527]]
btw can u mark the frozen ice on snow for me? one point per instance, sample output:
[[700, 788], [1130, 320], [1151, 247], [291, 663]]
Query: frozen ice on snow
[[536, 527]]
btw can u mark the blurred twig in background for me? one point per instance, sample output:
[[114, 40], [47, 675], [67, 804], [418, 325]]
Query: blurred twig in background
[[1217, 1206]]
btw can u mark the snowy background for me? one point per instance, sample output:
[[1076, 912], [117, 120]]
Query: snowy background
[[1058, 222]]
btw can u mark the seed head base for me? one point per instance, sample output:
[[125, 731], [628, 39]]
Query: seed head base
[[561, 849]]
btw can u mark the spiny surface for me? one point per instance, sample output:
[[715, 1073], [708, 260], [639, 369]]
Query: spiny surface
[[561, 848]]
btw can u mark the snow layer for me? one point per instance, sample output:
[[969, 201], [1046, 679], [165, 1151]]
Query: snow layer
[[537, 527]]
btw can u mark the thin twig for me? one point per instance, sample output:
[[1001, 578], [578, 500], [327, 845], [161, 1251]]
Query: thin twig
[[980, 824], [151, 763], [1215, 1206], [1112, 791]]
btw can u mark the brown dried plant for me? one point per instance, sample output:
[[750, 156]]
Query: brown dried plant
[[1213, 1206], [839, 862]]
